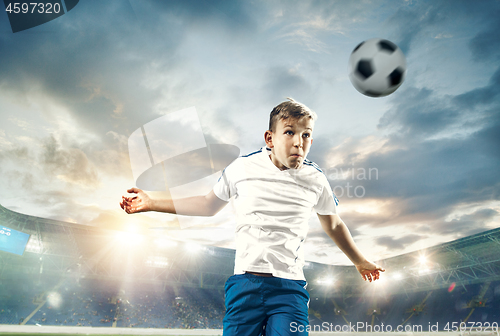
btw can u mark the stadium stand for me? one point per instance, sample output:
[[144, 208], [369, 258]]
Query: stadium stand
[[69, 276]]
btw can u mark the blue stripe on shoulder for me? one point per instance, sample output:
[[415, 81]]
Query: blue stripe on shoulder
[[221, 174], [336, 200], [256, 152], [312, 164], [260, 150]]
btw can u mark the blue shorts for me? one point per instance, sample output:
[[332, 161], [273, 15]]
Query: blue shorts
[[257, 305]]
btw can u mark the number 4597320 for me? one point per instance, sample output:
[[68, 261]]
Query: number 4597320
[[33, 7], [471, 326]]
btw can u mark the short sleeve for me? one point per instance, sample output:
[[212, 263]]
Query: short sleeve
[[327, 202], [224, 188]]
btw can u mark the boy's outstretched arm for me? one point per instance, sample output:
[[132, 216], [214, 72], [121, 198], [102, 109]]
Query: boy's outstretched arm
[[338, 231], [207, 205]]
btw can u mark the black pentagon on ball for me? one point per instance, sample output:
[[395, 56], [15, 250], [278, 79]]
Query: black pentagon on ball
[[364, 69], [387, 46], [359, 45], [396, 76]]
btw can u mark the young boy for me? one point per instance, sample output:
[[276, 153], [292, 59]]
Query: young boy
[[275, 189]]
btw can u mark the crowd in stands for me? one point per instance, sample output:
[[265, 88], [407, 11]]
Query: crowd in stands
[[184, 307], [76, 308], [436, 308], [175, 308], [17, 305]]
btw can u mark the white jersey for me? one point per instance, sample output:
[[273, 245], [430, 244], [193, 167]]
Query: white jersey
[[273, 208]]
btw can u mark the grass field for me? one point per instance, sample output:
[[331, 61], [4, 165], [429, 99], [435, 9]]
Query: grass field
[[18, 330], [442, 333]]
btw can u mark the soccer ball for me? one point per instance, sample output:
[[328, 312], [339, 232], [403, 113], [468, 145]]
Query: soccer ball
[[377, 67]]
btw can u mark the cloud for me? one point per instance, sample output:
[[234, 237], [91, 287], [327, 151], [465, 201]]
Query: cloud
[[92, 65], [468, 224], [14, 153], [419, 115], [307, 23], [285, 82], [423, 18], [480, 96], [68, 164], [398, 243], [234, 15], [485, 44], [429, 168], [410, 22], [90, 78], [22, 179]]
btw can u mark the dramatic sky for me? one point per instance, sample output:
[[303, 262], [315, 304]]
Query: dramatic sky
[[424, 160]]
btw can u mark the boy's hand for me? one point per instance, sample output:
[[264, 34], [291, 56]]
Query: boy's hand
[[139, 203], [369, 271]]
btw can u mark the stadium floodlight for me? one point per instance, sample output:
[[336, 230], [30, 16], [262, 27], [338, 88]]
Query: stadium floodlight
[[380, 281], [156, 261], [422, 259], [325, 281], [423, 270], [129, 238], [397, 276], [54, 299], [34, 245], [165, 243]]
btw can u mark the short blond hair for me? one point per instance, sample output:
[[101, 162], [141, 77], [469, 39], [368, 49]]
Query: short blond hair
[[290, 109]]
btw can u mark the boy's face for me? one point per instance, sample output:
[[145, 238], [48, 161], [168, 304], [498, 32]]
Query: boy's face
[[290, 143]]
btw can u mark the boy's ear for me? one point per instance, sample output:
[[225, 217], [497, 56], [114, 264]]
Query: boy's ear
[[268, 137]]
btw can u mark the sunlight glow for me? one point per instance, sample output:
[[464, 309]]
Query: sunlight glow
[[325, 281], [155, 261], [422, 259], [165, 243], [54, 299], [193, 247], [423, 271], [397, 276], [129, 238]]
